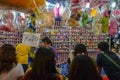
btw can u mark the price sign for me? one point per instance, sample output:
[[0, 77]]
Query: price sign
[[31, 39]]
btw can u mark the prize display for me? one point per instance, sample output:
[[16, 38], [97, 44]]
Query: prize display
[[65, 22]]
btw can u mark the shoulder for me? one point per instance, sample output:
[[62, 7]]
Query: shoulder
[[100, 58], [52, 47], [99, 55], [19, 66], [16, 72]]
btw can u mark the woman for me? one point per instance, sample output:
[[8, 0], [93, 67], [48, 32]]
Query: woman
[[43, 67], [10, 69], [80, 49], [83, 68]]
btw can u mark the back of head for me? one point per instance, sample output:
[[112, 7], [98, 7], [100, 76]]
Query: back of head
[[80, 49], [7, 57], [83, 68], [46, 39], [103, 46], [43, 64]]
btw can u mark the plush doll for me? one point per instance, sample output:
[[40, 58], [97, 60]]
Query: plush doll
[[8, 20]]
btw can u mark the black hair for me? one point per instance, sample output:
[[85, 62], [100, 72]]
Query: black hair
[[103, 46], [83, 68], [79, 49], [46, 39], [43, 64]]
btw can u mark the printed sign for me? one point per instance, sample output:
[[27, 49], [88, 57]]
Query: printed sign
[[31, 39]]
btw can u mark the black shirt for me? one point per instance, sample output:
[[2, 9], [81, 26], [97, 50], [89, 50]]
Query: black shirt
[[110, 69]]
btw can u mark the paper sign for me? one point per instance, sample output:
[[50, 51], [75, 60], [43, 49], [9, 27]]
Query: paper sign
[[31, 39]]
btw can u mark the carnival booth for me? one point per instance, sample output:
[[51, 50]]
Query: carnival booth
[[65, 22]]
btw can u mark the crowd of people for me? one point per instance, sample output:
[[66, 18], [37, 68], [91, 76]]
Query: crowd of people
[[43, 67]]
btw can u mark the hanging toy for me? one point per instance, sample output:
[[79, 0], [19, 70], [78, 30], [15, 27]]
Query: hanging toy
[[105, 21], [48, 20], [93, 12], [32, 24], [84, 19], [31, 28], [97, 28], [113, 27], [75, 18], [8, 22], [57, 12], [33, 19], [72, 22], [66, 13]]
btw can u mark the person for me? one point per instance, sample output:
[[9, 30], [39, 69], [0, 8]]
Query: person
[[112, 71], [80, 49], [43, 66], [22, 55], [48, 44], [83, 68], [115, 49], [10, 69]]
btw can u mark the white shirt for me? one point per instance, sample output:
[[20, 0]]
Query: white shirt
[[13, 74]]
